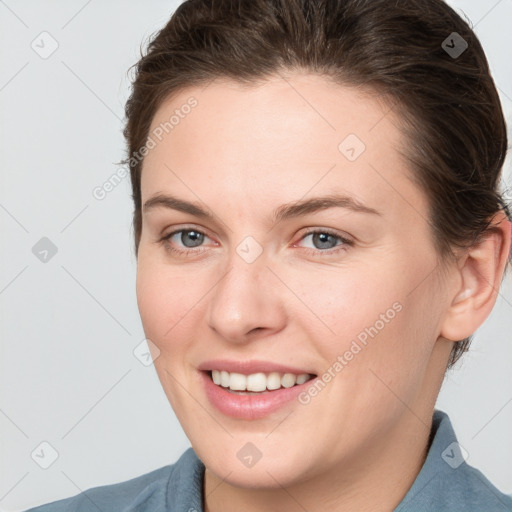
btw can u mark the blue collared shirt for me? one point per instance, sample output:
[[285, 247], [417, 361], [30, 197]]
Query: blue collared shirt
[[446, 483]]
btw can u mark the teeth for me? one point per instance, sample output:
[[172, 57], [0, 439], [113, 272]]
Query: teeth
[[224, 379], [303, 377], [288, 380], [273, 381], [216, 377], [237, 382], [257, 382]]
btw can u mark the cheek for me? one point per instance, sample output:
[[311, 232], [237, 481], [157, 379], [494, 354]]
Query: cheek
[[152, 301], [396, 347], [167, 304], [167, 315], [346, 305], [374, 319]]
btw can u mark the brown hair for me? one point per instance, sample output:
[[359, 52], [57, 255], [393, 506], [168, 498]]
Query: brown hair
[[455, 132]]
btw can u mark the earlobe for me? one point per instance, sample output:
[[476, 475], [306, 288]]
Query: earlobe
[[480, 271]]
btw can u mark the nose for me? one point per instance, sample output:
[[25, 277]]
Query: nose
[[247, 301]]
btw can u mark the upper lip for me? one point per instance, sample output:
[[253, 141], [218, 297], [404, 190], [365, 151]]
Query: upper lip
[[249, 367]]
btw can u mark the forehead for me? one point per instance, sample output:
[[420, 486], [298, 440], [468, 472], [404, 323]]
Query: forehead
[[295, 133]]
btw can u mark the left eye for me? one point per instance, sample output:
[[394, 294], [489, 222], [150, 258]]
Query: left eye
[[324, 239]]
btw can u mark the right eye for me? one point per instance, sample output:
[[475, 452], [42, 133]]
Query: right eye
[[192, 235]]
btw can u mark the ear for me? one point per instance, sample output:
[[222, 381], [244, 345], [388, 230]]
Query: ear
[[480, 272]]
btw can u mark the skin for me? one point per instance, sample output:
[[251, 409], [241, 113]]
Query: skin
[[242, 152]]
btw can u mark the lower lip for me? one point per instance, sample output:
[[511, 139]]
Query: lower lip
[[249, 407]]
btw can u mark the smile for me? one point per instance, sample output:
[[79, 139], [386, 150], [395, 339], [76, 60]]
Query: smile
[[252, 390], [257, 382]]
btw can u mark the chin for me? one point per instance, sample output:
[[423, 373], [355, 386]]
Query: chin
[[268, 472], [263, 477]]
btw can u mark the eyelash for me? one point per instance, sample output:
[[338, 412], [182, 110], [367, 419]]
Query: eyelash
[[165, 240]]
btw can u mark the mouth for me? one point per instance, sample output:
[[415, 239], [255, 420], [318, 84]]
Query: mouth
[[257, 383], [252, 391]]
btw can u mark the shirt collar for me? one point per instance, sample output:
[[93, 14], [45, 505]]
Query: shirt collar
[[447, 482]]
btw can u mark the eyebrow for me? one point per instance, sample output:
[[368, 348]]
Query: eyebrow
[[283, 212]]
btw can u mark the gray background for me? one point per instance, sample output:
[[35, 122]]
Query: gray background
[[69, 326]]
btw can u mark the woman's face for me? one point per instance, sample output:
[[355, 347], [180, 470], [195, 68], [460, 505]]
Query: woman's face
[[357, 306]]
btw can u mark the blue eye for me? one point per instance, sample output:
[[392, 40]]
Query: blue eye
[[196, 236], [192, 235], [192, 240], [324, 239]]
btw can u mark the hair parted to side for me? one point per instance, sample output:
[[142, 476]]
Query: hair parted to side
[[452, 120]]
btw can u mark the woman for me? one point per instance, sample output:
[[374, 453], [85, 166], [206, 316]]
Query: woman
[[319, 232]]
